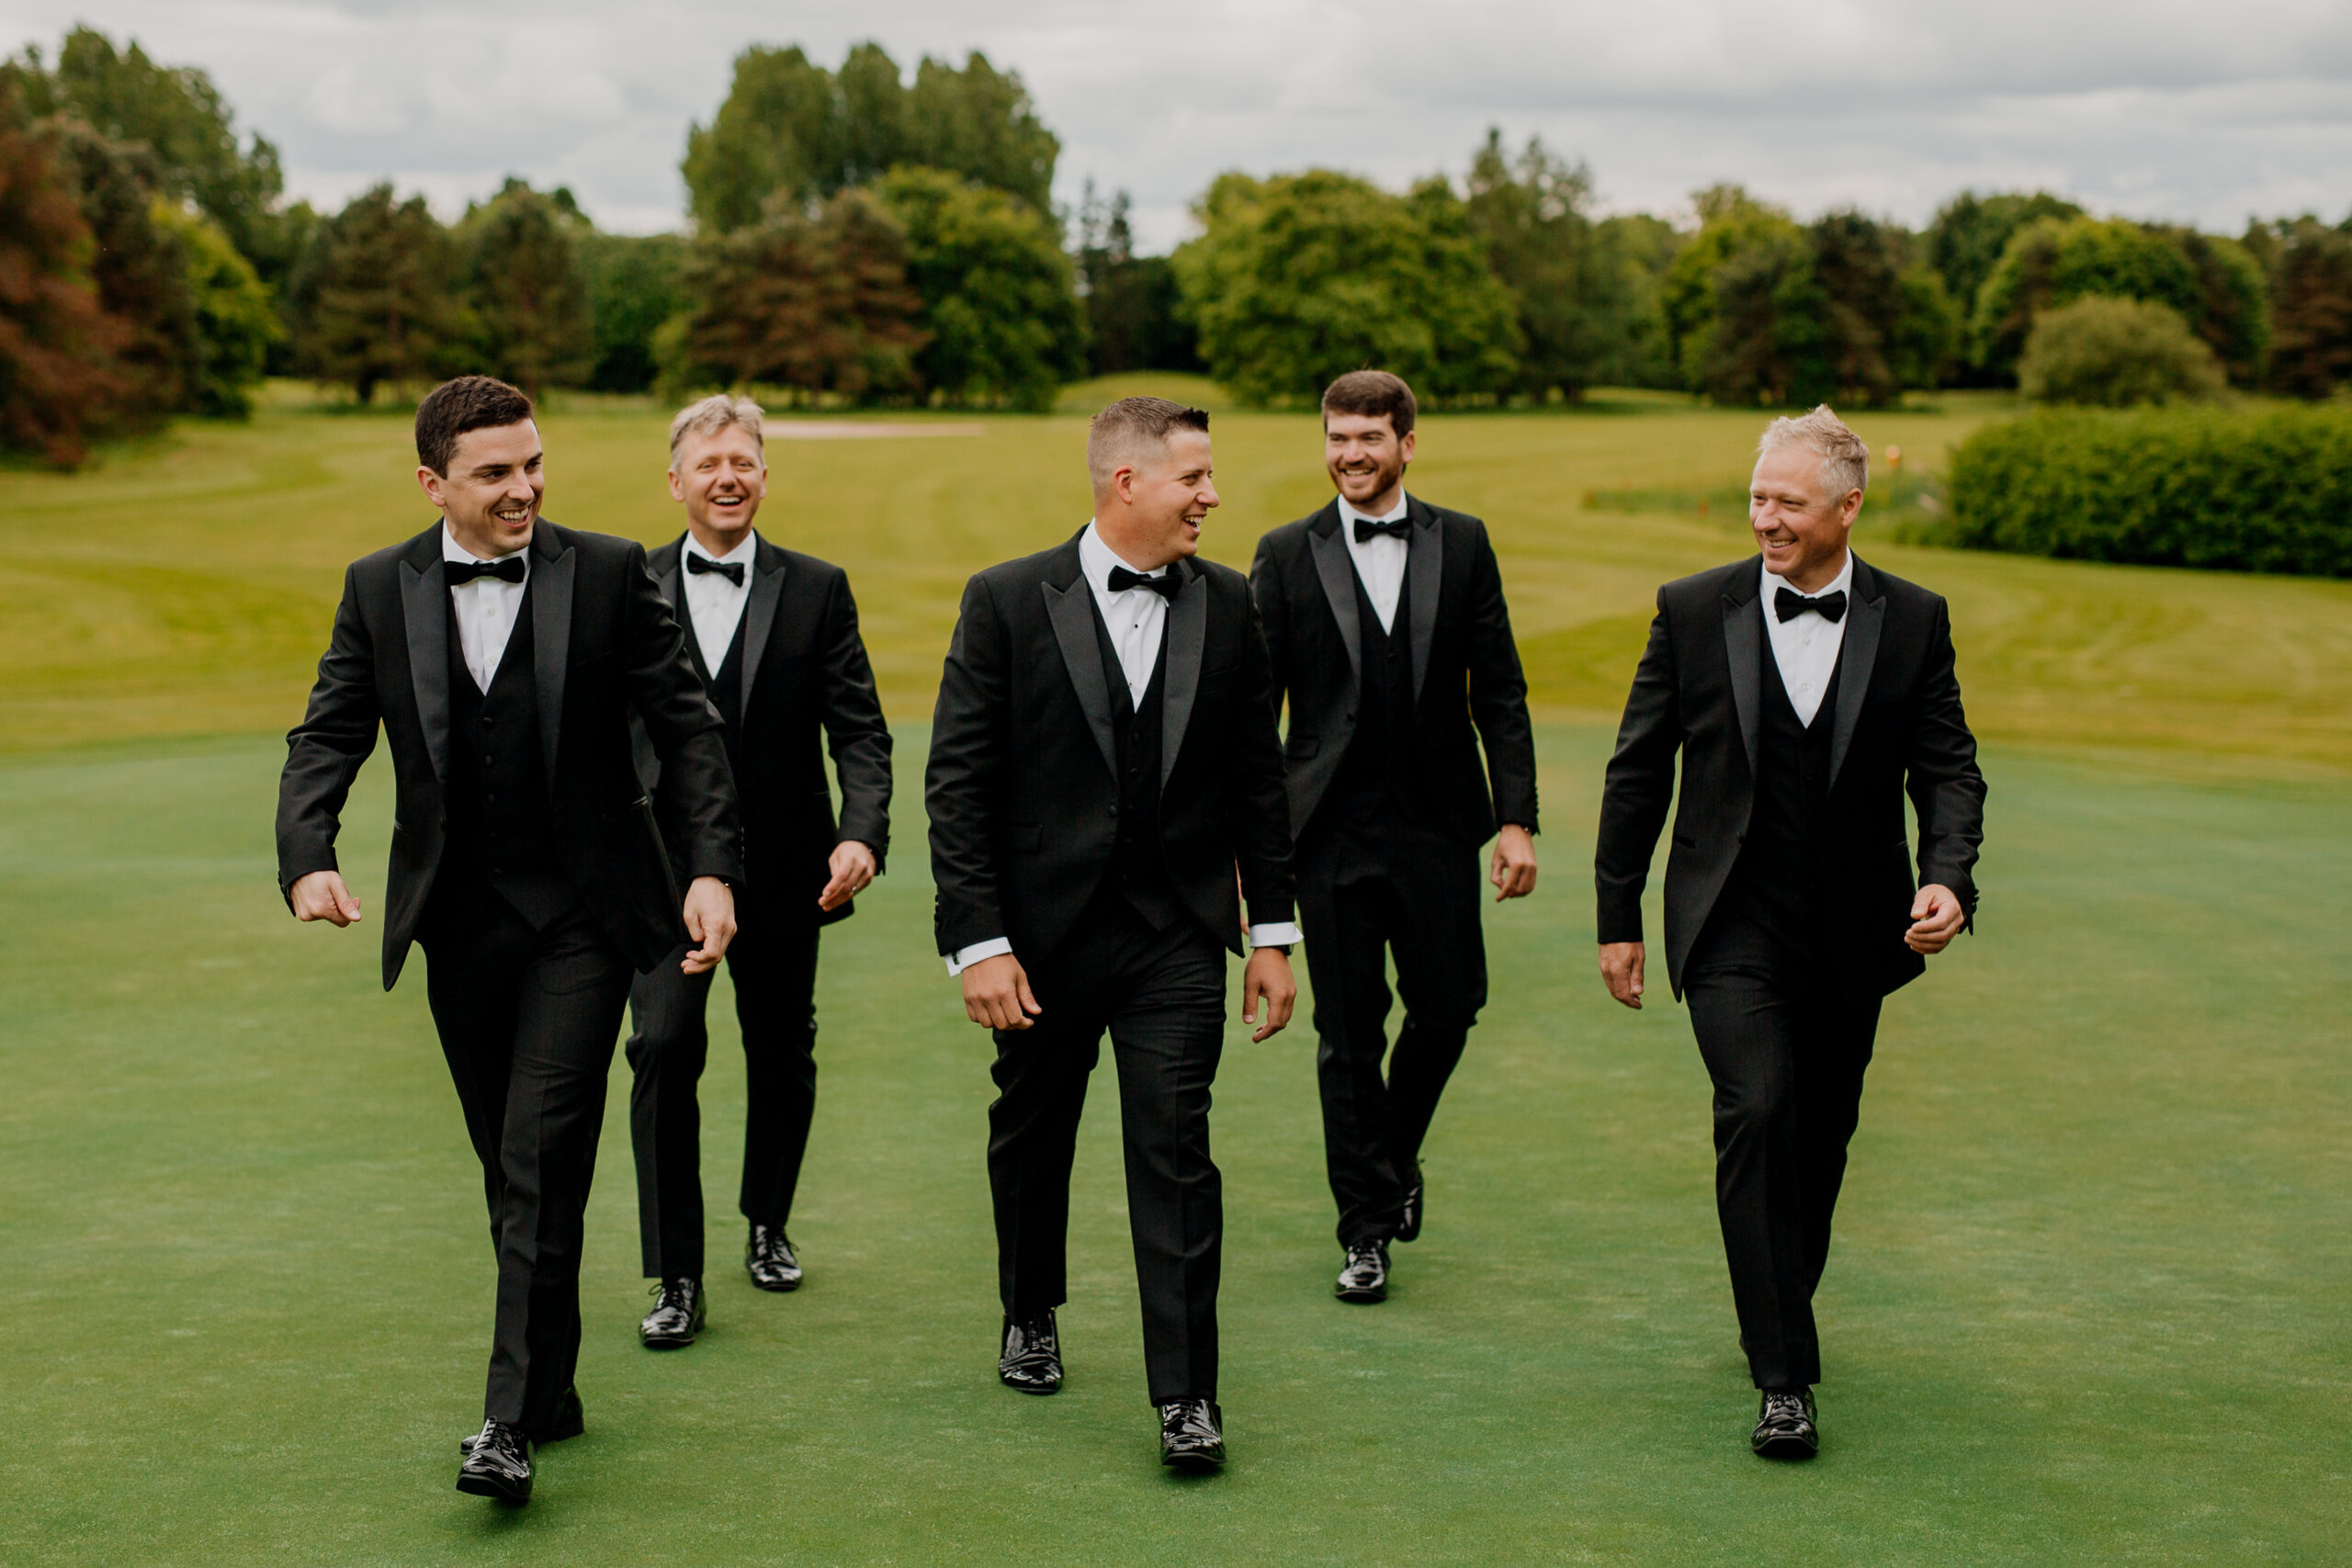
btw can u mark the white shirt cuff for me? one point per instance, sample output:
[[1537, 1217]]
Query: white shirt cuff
[[964, 957], [1278, 933]]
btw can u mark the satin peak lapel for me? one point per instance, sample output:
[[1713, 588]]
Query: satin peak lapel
[[1744, 644], [552, 642], [424, 607], [759, 619], [1339, 575], [1188, 628], [1856, 660], [1071, 611], [1425, 571]]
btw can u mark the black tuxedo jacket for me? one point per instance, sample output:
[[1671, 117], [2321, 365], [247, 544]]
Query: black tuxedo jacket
[[1022, 787], [605, 645], [1465, 666], [1897, 727], [805, 678]]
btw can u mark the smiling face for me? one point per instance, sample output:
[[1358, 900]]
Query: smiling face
[[1800, 527], [1366, 458], [723, 478], [1152, 514], [490, 494]]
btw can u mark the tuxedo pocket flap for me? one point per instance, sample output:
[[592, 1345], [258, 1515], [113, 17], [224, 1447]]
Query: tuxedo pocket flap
[[618, 812], [1025, 836]]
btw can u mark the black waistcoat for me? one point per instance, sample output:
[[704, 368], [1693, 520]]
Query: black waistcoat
[[1139, 864], [499, 834], [726, 686], [1375, 781], [1773, 882]]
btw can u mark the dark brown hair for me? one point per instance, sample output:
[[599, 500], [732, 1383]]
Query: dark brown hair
[[469, 402], [1132, 426], [1371, 393]]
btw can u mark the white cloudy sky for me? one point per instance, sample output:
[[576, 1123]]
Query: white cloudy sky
[[2203, 112]]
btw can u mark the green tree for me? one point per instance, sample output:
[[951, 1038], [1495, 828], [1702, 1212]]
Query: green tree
[[1645, 246], [999, 301], [2214, 283], [636, 285], [792, 132], [236, 325], [817, 303], [1970, 232], [2232, 311], [2115, 353], [526, 287], [1300, 278], [60, 383], [1135, 312], [380, 296], [2310, 267], [1579, 296]]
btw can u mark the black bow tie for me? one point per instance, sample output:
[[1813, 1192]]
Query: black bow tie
[[733, 571], [461, 572], [1166, 584], [1396, 527], [1788, 603]]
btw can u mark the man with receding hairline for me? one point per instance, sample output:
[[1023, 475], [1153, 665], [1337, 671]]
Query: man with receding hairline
[[1807, 693], [1103, 762]]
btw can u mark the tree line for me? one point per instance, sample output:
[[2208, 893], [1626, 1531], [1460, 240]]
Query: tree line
[[867, 236]]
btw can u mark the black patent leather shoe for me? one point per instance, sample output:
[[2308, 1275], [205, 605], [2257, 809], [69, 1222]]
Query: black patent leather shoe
[[1409, 1224], [768, 1259], [1787, 1426], [677, 1316], [498, 1464], [569, 1421], [1366, 1278], [1191, 1435], [1030, 1361]]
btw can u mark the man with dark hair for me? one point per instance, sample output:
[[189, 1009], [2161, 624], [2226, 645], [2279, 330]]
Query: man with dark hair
[[503, 656], [773, 634], [1386, 630], [1103, 762], [1806, 693]]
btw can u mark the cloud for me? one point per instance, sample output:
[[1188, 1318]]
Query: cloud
[[2159, 108]]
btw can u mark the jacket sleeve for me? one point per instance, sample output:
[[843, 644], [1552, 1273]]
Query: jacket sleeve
[[1639, 786], [1942, 775], [683, 729], [855, 731], [1498, 693], [323, 753], [964, 780], [1273, 623], [1261, 842]]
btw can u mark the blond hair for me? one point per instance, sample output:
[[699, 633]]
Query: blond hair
[[713, 415], [1845, 460]]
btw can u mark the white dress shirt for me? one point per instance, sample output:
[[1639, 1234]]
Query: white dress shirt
[[486, 609], [1380, 561], [1806, 647], [1135, 618], [714, 605]]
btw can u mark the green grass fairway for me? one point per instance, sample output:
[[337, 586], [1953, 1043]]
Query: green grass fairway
[[2088, 1303]]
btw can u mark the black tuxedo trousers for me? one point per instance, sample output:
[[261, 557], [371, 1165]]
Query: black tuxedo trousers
[[773, 966], [1160, 995]]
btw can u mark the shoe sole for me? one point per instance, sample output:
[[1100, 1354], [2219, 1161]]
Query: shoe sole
[[1785, 1449], [1041, 1390], [666, 1342], [758, 1283], [1197, 1464], [484, 1486], [1361, 1298]]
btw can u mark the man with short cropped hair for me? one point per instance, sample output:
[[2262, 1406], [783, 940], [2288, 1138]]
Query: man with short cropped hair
[[503, 656], [1386, 629], [1807, 693], [1103, 769], [773, 634]]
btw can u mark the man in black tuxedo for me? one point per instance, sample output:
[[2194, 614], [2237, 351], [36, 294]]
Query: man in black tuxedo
[[1387, 629], [773, 634], [1103, 762], [503, 656], [1808, 694]]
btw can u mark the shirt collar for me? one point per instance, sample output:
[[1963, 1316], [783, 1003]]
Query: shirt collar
[[1347, 515], [452, 550], [1842, 583], [1096, 558], [743, 552]]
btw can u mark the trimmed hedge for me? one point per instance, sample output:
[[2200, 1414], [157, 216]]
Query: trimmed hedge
[[2234, 490]]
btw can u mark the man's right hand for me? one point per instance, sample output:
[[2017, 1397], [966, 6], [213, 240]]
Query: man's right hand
[[322, 896], [996, 993], [1621, 966]]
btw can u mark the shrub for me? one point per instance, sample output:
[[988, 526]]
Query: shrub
[[2116, 354], [2243, 491]]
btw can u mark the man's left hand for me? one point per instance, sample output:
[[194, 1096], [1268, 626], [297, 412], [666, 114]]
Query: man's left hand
[[710, 920], [854, 867], [1936, 918], [1513, 869], [1268, 976]]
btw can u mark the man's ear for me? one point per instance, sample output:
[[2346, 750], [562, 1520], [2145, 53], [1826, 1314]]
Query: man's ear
[[1404, 445], [431, 483]]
